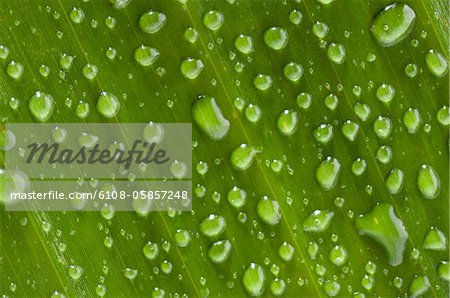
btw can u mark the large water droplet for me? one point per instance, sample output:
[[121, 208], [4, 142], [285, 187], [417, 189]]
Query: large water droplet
[[244, 44], [324, 133], [254, 279], [237, 197], [443, 115], [412, 120], [276, 38], [362, 110], [213, 20], [14, 70], [385, 92], [338, 255], [436, 62], [418, 286], [444, 270], [383, 225], [393, 24], [263, 82], [75, 271], [208, 116], [108, 105], [293, 71], [331, 288], [150, 250], [382, 127], [318, 221], [269, 211], [41, 106], [286, 251], [428, 182], [77, 15], [152, 21], [336, 53], [327, 173], [350, 130], [320, 29], [182, 238], [145, 55], [304, 100]]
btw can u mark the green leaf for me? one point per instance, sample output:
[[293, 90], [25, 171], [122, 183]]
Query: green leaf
[[298, 108]]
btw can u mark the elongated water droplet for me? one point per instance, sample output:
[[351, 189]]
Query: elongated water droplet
[[287, 122], [191, 68], [219, 251], [428, 182], [269, 211], [41, 106], [242, 157], [318, 221], [382, 127], [436, 62], [419, 286], [145, 55], [254, 279], [327, 173], [213, 20], [435, 240], [412, 120], [394, 181], [108, 105], [208, 116], [393, 24], [213, 225], [383, 225], [152, 21], [276, 38]]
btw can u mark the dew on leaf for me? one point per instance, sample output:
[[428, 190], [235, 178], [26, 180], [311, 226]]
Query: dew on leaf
[[244, 44], [435, 240], [419, 286], [254, 280], [293, 71], [287, 122], [213, 225], [276, 38], [15, 70], [382, 127], [395, 181], [152, 21], [428, 182], [327, 173], [237, 197], [242, 156], [268, 211], [213, 20], [304, 100], [323, 133], [362, 111], [436, 63], [385, 92], [108, 105], [412, 120], [336, 53], [350, 130], [262, 82], [219, 251], [318, 221], [41, 106], [208, 116], [145, 55]]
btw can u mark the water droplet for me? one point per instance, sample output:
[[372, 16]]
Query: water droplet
[[41, 106], [242, 157], [77, 15], [254, 279], [178, 169], [153, 132], [263, 82], [208, 116], [213, 225], [444, 270], [4, 52], [382, 127], [108, 211], [304, 100], [277, 287], [331, 288], [100, 290], [385, 92], [152, 21], [320, 29], [359, 166], [443, 115], [331, 101], [244, 44], [418, 286], [435, 240], [362, 111], [269, 211], [90, 71], [318, 221], [393, 24], [383, 225], [368, 282], [336, 53], [191, 68], [44, 70], [394, 181], [158, 293], [276, 38], [338, 255], [286, 251], [65, 61], [191, 35], [327, 173], [108, 105], [411, 70], [324, 133], [75, 271], [219, 251], [237, 197], [412, 120], [182, 238], [82, 111], [14, 70], [130, 273], [287, 122], [371, 267], [145, 55], [293, 71], [436, 62], [110, 22], [111, 53], [150, 250], [253, 113], [213, 20], [428, 182], [350, 130], [384, 154], [295, 17]]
